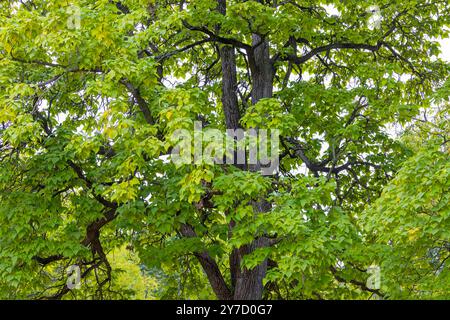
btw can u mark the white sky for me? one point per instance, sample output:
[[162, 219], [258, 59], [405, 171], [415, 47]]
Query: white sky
[[445, 47]]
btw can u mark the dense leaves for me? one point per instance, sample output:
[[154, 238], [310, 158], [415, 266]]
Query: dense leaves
[[92, 92]]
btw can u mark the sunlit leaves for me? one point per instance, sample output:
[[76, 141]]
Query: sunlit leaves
[[92, 92]]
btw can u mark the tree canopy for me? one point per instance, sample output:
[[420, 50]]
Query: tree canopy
[[92, 92]]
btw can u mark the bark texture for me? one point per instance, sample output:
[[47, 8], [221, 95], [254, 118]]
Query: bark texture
[[246, 284], [229, 80], [249, 283]]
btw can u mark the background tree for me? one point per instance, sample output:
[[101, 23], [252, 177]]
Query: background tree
[[408, 224], [92, 91]]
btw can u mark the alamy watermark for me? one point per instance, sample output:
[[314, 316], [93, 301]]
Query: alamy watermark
[[258, 148], [375, 18], [374, 279], [74, 19], [74, 277]]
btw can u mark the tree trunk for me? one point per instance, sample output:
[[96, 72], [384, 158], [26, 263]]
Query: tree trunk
[[249, 283], [231, 112], [262, 71], [245, 284], [229, 83]]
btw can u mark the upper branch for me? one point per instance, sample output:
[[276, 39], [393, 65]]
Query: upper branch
[[143, 105], [338, 45], [217, 38]]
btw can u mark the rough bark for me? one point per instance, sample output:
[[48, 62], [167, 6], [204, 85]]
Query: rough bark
[[249, 283], [229, 80], [232, 116], [246, 284], [262, 70]]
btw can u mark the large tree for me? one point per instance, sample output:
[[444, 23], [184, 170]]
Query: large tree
[[91, 93]]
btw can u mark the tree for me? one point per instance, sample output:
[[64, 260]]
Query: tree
[[92, 93], [408, 224]]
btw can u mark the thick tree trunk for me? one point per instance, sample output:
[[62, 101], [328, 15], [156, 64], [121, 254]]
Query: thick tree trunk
[[245, 284], [231, 112], [229, 79], [262, 70], [229, 83], [249, 283]]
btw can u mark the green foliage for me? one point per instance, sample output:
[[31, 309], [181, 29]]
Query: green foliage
[[409, 223], [91, 93]]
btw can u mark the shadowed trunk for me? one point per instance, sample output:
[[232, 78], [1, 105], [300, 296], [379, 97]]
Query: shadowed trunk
[[245, 284], [249, 283], [229, 83], [231, 112], [262, 70]]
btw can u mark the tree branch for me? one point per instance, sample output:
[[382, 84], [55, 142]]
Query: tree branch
[[210, 267], [143, 105], [216, 38], [357, 283]]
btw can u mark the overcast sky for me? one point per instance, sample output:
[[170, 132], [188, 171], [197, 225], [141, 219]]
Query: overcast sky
[[445, 44]]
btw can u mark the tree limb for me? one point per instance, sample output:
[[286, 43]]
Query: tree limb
[[210, 267]]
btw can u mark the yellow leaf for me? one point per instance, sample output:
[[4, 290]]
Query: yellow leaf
[[413, 233], [110, 132], [7, 47]]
